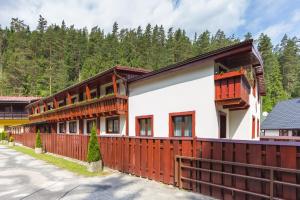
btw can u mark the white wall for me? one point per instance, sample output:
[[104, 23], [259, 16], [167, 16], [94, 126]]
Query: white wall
[[121, 89], [276, 133], [122, 127], [241, 120], [189, 89], [271, 132]]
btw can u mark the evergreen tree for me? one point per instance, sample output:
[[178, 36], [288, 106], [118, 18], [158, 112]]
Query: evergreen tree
[[38, 140], [52, 57], [290, 65], [93, 147], [273, 77]]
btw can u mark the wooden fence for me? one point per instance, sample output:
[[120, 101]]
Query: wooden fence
[[154, 158]]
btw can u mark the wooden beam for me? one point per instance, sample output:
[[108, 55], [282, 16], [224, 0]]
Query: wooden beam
[[87, 92], [69, 99], [55, 103], [45, 106], [114, 84]]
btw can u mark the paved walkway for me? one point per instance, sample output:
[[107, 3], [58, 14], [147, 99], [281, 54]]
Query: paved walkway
[[23, 177]]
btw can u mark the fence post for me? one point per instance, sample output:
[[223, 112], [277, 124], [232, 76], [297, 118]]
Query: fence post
[[175, 171], [271, 183], [179, 174]]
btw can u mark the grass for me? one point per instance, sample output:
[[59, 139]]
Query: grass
[[59, 162]]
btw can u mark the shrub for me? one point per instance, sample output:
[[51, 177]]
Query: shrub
[[38, 141], [11, 139], [94, 154], [3, 135]]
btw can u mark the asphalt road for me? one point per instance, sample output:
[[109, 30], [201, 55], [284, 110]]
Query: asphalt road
[[23, 177]]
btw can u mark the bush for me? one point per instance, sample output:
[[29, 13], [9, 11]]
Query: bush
[[38, 141], [11, 139], [94, 154], [3, 135]]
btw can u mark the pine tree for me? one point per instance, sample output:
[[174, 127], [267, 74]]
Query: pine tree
[[248, 36], [290, 65], [38, 140], [94, 154], [42, 24], [273, 77]]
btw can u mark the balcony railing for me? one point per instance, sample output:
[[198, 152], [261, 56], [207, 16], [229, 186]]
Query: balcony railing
[[13, 115], [104, 106], [232, 90]]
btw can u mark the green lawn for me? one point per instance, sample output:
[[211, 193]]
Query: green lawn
[[59, 162]]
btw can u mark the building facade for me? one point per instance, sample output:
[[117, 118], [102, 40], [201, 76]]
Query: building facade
[[283, 122], [213, 95], [13, 112]]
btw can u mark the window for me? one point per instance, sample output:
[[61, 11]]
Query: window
[[296, 132], [74, 99], [94, 94], [61, 127], [112, 125], [283, 133], [73, 127], [61, 103], [144, 125], [89, 125], [50, 106], [110, 89], [182, 124]]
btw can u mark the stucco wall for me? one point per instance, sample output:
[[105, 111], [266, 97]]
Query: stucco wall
[[122, 126], [189, 89], [241, 120], [276, 133]]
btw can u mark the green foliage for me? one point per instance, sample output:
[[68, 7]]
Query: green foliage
[[11, 139], [93, 147], [3, 135], [38, 141], [273, 76]]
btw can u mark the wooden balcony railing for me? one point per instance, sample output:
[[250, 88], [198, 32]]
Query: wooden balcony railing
[[13, 115], [110, 105], [232, 90]]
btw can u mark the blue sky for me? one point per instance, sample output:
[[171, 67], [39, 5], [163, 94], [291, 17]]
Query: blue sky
[[274, 17]]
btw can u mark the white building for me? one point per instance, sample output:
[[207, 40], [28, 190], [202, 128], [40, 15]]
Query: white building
[[213, 95], [207, 96], [284, 121]]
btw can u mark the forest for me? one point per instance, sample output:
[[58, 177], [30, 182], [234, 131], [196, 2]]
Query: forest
[[51, 57]]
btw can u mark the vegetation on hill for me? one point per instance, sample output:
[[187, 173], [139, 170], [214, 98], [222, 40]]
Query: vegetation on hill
[[52, 57]]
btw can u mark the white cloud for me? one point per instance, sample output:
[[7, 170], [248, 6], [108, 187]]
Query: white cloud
[[192, 15], [289, 26]]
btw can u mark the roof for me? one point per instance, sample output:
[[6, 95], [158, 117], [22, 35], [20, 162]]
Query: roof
[[136, 70], [18, 99], [246, 45], [285, 115]]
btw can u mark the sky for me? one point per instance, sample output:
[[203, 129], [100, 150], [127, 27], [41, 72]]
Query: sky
[[273, 17]]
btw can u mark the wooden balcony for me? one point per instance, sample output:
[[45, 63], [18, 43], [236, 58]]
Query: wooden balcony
[[13, 115], [104, 106], [232, 90]]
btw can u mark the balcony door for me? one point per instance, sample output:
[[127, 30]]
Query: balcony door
[[223, 125]]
